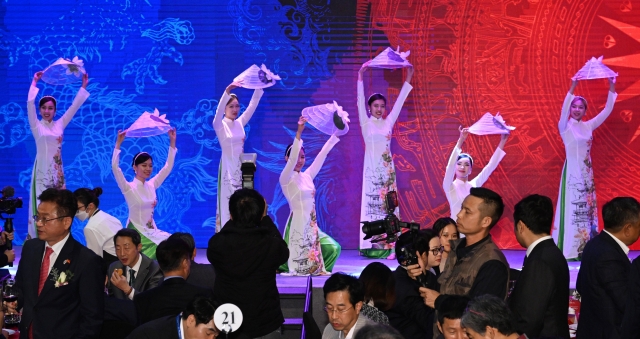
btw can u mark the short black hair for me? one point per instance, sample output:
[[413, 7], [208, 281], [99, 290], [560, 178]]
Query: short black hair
[[418, 242], [129, 233], [536, 212], [246, 207], [492, 205], [66, 202], [186, 237], [452, 308], [343, 282], [379, 285], [171, 252], [87, 196], [488, 310], [378, 331], [619, 212], [202, 309], [441, 223]]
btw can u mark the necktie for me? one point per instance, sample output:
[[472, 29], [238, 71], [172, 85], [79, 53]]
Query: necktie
[[44, 269], [132, 278]]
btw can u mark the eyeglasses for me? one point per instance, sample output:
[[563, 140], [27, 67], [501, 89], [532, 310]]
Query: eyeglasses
[[332, 310], [80, 207], [37, 219], [436, 251]]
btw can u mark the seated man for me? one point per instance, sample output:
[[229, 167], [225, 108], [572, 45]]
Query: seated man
[[449, 316], [174, 293], [194, 323], [378, 331], [343, 299], [202, 275], [134, 272], [488, 316]]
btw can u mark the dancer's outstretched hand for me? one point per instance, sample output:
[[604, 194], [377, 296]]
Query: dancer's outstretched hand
[[409, 74], [36, 77], [121, 136], [301, 121], [172, 137], [85, 80]]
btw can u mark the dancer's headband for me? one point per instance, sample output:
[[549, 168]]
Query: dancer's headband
[[466, 155], [139, 154], [55, 102], [374, 94]]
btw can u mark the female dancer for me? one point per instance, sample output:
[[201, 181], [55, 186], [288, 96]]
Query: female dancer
[[576, 219], [378, 174], [231, 135], [101, 227], [446, 229], [140, 193], [311, 251], [47, 168], [461, 165]]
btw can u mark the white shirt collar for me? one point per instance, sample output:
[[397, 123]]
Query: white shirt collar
[[624, 247], [181, 326], [228, 120], [533, 244], [350, 333], [59, 245], [136, 267]]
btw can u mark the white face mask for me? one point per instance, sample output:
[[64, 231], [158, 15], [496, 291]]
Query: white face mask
[[82, 215]]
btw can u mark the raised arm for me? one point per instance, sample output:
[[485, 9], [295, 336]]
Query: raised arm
[[248, 113], [293, 155], [404, 93], [362, 105], [222, 104], [168, 166], [453, 159], [611, 100], [321, 157], [483, 176], [566, 105], [31, 106], [80, 98], [115, 164]]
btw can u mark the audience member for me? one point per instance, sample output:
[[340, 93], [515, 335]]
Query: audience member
[[449, 316], [246, 254], [196, 322], [6, 255], [60, 282], [202, 275], [343, 299], [134, 272], [488, 316], [379, 291], [604, 272], [173, 294], [540, 298], [378, 331], [446, 229], [409, 314], [630, 321]]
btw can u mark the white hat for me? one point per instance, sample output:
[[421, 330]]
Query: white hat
[[328, 118], [594, 69], [148, 125], [64, 71], [391, 59], [489, 124], [256, 77]]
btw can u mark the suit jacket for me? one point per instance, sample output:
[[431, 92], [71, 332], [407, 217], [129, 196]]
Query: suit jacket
[[603, 285], [630, 322], [170, 298], [161, 328], [330, 333], [202, 275], [74, 310], [148, 277], [409, 315], [540, 298]]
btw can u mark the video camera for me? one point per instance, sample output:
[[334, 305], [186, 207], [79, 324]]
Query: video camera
[[8, 205], [390, 225]]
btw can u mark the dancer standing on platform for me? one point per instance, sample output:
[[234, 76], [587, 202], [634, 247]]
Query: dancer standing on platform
[[576, 217], [460, 165], [140, 193], [230, 131], [47, 168], [378, 174], [311, 251]]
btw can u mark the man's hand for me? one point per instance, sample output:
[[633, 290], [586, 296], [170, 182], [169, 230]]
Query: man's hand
[[429, 296], [120, 282], [414, 271], [11, 255]]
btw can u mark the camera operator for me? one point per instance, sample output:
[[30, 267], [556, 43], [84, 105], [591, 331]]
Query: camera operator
[[246, 254]]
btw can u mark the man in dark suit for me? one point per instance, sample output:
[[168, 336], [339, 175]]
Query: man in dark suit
[[540, 298], [134, 272], [604, 272], [630, 322], [60, 281], [174, 293], [202, 275], [196, 322]]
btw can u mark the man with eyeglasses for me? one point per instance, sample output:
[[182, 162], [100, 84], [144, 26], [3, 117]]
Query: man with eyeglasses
[[344, 296], [60, 282]]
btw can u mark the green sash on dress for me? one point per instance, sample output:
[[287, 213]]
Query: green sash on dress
[[328, 246], [148, 246]]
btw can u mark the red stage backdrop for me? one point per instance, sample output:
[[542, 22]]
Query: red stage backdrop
[[516, 58]]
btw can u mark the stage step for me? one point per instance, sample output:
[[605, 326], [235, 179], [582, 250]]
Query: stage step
[[292, 303]]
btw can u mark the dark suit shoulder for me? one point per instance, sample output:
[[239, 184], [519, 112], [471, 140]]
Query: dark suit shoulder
[[161, 328]]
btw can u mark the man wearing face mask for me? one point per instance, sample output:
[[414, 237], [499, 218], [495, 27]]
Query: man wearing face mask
[[101, 227]]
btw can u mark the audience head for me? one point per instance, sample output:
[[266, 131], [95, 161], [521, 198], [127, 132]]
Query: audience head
[[198, 319], [344, 296], [188, 239], [480, 211], [174, 257], [488, 316], [247, 207], [128, 246], [621, 217], [88, 202], [379, 285], [55, 214], [532, 218], [447, 230], [378, 331], [425, 242], [449, 315]]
